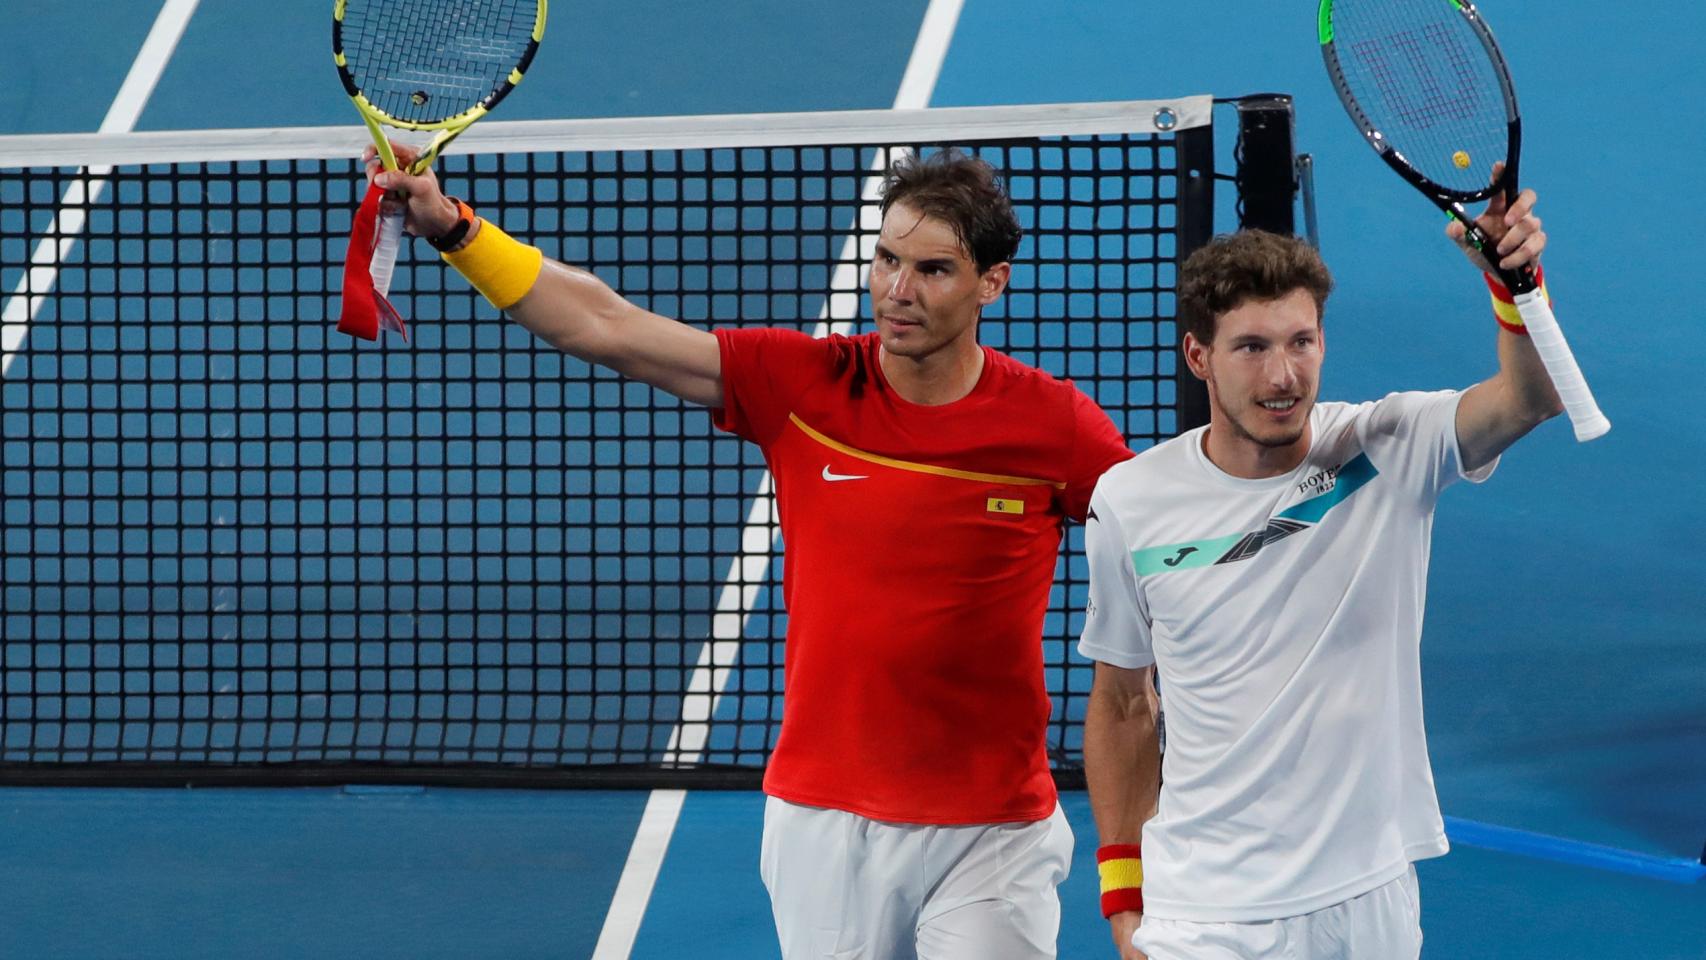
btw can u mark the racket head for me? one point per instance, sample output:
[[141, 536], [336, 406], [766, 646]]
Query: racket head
[[433, 64], [1426, 83]]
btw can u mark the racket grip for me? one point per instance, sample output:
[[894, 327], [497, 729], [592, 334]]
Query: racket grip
[[1560, 364], [385, 251]]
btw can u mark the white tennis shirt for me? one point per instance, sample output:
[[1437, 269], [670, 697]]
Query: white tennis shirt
[[1285, 619]]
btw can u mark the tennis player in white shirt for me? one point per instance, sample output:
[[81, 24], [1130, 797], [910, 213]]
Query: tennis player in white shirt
[[1272, 567]]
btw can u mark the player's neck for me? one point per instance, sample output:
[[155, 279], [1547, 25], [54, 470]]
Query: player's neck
[[1239, 455], [936, 378]]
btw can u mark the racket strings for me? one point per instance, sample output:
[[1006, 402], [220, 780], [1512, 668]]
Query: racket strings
[[424, 61], [1421, 75], [1421, 104]]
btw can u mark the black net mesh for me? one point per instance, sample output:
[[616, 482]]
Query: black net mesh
[[232, 536]]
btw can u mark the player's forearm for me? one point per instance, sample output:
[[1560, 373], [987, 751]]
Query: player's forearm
[[1531, 396], [571, 309], [1122, 764], [578, 313], [574, 311], [1502, 409]]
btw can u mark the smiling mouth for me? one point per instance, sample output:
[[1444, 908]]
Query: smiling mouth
[[1278, 406]]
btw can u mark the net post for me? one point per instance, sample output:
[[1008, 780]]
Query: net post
[[1267, 163], [1195, 170], [1306, 191]]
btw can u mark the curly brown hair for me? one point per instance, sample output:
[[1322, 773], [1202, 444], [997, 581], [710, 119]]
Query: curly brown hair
[[962, 191], [1236, 268]]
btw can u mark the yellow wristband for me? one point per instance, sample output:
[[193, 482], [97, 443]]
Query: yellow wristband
[[501, 267], [1120, 873]]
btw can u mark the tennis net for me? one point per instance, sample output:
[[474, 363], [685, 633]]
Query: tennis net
[[237, 546]]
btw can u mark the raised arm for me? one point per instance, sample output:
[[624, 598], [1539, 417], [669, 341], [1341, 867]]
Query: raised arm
[[1498, 411], [567, 307], [1122, 767]]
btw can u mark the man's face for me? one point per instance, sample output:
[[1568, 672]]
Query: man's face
[[1264, 368], [926, 291]]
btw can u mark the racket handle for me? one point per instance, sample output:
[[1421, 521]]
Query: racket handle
[[385, 251], [1560, 363]]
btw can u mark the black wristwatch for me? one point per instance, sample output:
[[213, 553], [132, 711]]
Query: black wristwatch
[[450, 239]]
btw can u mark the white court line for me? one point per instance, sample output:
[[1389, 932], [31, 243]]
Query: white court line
[[67, 225], [739, 592]]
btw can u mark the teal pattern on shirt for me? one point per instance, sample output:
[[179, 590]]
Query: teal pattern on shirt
[[1192, 554]]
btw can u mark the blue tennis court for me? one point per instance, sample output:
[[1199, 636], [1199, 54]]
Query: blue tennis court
[[1564, 655]]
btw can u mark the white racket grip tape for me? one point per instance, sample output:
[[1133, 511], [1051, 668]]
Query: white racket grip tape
[[385, 245], [1560, 364]]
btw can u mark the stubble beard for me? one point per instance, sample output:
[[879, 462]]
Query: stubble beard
[[1271, 442]]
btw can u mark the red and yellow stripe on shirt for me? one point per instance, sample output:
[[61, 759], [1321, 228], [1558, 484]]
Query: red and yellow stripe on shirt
[[920, 543], [915, 595]]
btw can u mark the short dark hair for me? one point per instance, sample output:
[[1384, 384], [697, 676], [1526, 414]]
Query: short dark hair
[[1234, 269], [964, 192]]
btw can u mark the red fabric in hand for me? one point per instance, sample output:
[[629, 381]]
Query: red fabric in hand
[[365, 310]]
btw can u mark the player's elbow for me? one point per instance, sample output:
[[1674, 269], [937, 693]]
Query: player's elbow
[[1128, 703], [600, 336], [1539, 403], [1524, 402]]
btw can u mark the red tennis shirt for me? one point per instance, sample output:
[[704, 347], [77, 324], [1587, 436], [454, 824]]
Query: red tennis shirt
[[921, 545]]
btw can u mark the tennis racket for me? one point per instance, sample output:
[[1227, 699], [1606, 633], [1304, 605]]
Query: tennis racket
[[428, 65], [1425, 82]]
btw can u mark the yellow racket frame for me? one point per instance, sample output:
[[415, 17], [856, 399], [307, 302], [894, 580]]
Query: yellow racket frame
[[450, 126]]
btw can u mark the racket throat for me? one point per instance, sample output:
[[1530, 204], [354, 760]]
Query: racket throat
[[1519, 281]]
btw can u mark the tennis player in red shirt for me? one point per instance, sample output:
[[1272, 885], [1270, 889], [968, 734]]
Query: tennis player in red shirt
[[922, 481]]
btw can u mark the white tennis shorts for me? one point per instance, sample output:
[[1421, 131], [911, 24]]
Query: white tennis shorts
[[844, 887], [1382, 924]]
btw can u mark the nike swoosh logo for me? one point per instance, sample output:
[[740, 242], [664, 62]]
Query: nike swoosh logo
[[832, 477], [1183, 553]]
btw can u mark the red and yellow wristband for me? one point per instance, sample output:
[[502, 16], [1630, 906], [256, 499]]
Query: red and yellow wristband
[[1504, 305], [1121, 867]]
